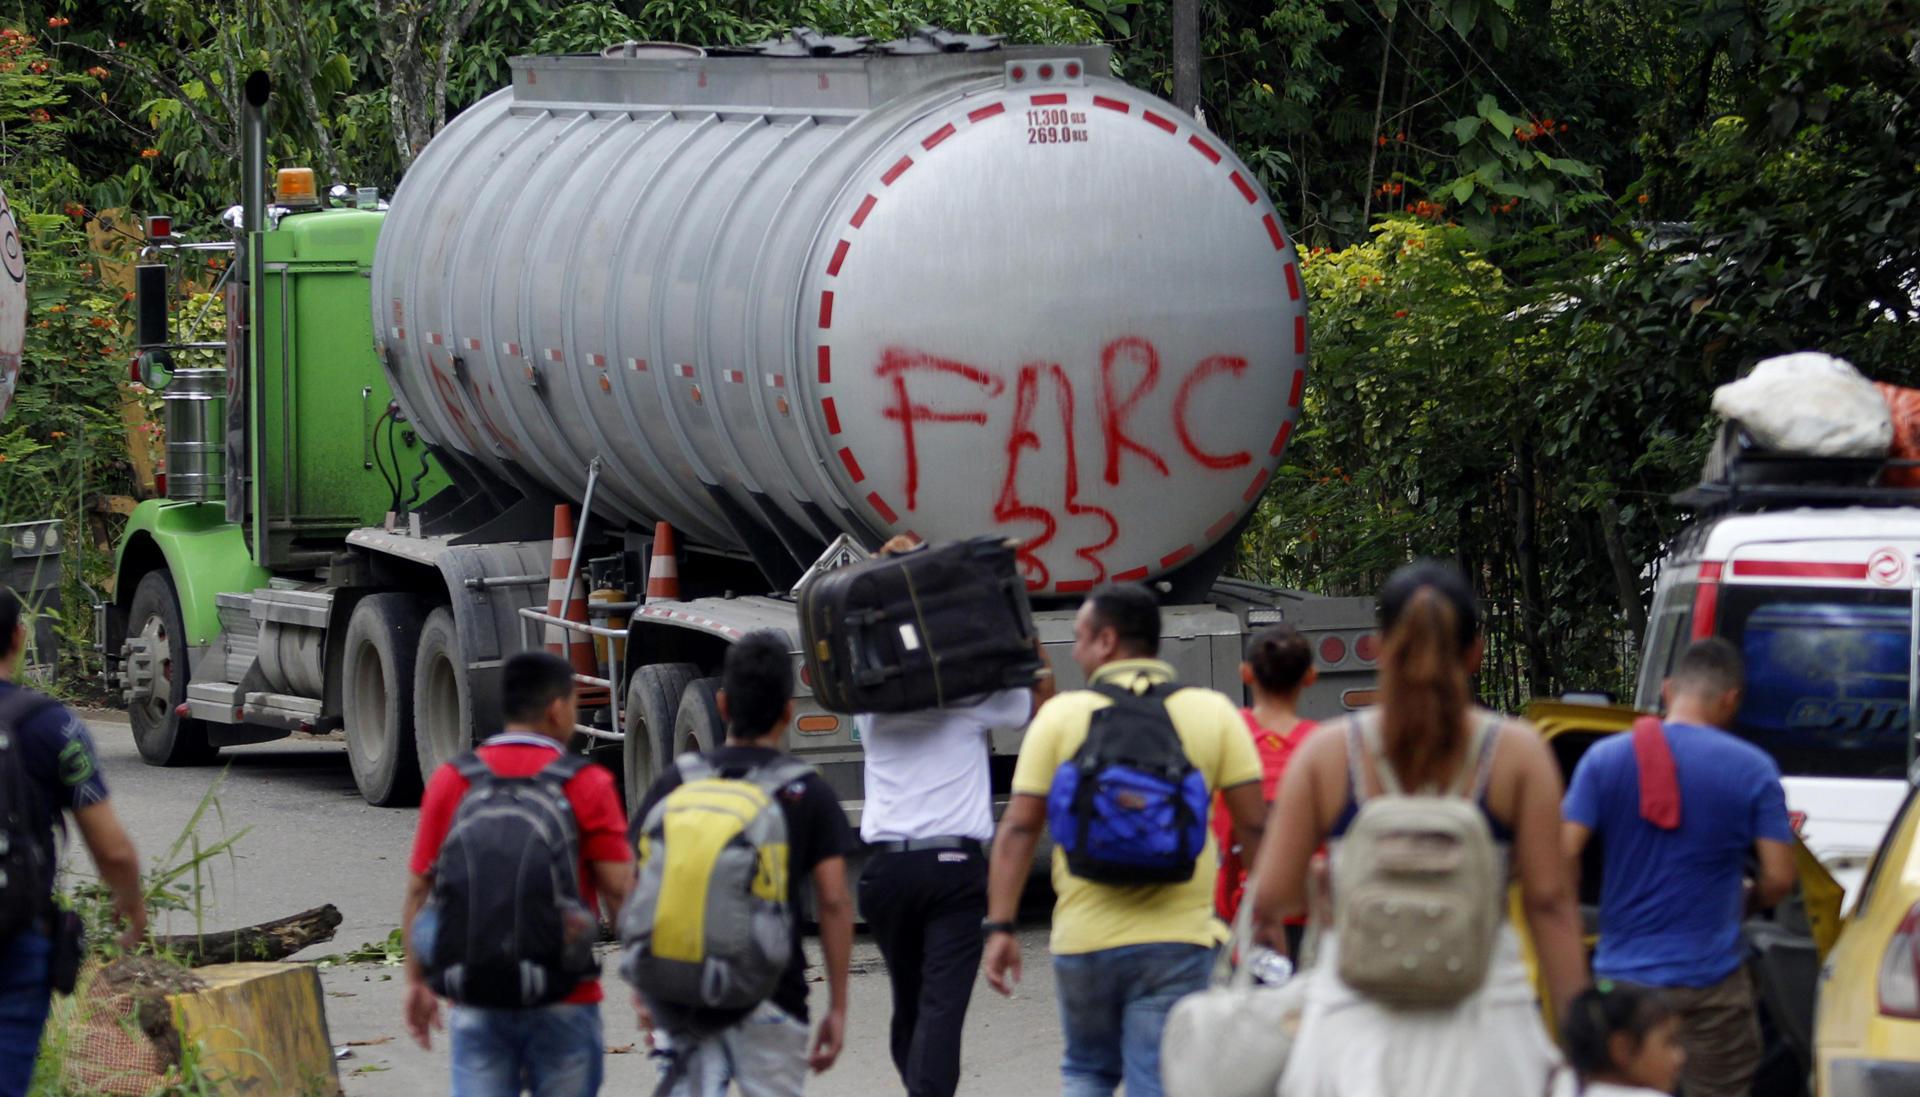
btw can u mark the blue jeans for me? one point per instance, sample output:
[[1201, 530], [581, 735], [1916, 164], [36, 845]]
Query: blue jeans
[[1113, 1005], [553, 1051], [25, 996]]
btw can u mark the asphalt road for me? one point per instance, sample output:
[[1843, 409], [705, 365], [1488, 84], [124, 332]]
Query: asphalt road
[[307, 838]]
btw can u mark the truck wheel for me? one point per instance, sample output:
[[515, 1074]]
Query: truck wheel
[[377, 698], [697, 726], [154, 673], [653, 700], [442, 695]]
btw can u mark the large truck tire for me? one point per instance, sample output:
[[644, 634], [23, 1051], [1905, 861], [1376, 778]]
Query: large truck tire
[[156, 636], [383, 636], [697, 726], [653, 702], [442, 694]]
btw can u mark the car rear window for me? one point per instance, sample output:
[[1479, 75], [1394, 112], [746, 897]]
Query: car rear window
[[1827, 671]]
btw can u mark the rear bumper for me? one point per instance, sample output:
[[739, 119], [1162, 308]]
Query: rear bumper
[[1872, 1078]]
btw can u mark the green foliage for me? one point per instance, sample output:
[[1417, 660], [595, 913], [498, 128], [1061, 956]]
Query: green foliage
[[1546, 232]]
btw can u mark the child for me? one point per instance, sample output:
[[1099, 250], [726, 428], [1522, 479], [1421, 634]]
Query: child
[[1279, 665], [1623, 1041]]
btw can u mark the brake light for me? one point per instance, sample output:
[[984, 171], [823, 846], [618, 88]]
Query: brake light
[[1706, 600], [1900, 970], [135, 373], [159, 227]]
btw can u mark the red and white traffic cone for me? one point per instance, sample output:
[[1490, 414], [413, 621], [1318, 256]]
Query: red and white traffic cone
[[576, 648], [663, 571]]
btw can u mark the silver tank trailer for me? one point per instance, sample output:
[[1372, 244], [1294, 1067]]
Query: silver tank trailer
[[790, 297]]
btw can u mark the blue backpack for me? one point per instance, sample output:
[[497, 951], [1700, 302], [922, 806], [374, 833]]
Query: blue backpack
[[1129, 807]]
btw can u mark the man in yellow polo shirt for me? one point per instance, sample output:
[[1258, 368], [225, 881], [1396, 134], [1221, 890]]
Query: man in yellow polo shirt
[[1122, 954]]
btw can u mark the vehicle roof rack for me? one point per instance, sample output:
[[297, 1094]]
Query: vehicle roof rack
[[1741, 476]]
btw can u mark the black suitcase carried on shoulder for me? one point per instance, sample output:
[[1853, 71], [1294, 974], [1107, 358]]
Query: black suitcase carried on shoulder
[[933, 627]]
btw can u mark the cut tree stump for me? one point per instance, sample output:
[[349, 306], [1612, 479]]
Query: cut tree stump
[[275, 940]]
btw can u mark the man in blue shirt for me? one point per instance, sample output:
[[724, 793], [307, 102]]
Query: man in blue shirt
[[1673, 887], [47, 766]]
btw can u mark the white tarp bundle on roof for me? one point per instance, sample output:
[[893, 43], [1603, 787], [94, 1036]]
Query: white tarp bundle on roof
[[1809, 403]]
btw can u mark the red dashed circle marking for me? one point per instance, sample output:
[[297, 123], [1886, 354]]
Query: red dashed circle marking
[[1253, 489], [1280, 439], [1273, 231], [830, 410]]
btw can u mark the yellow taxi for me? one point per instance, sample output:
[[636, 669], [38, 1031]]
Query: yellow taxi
[[1867, 1034]]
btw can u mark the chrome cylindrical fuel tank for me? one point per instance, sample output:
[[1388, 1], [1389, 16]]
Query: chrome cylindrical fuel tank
[[786, 298]]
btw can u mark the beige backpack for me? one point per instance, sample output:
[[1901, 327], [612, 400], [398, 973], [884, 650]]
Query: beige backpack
[[1418, 885]]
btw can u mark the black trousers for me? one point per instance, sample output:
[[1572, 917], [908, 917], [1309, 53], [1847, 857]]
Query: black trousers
[[924, 909]]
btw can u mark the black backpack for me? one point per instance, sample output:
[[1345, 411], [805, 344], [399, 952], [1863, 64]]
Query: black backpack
[[25, 873], [1130, 807], [512, 930]]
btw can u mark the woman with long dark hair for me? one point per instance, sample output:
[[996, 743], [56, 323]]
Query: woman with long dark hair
[[1427, 735]]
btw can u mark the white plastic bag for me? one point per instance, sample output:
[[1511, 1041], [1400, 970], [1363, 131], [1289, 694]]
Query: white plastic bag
[[1811, 404], [1232, 1039]]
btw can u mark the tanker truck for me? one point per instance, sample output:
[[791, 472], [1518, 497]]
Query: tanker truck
[[771, 305]]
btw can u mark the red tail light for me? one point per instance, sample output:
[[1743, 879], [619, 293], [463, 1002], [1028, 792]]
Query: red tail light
[[1900, 970], [1706, 600], [134, 372], [160, 482]]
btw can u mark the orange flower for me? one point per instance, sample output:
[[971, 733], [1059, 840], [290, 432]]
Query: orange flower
[[37, 67], [148, 154], [58, 21], [98, 72], [57, 308], [1644, 198], [57, 434], [1400, 314], [41, 115]]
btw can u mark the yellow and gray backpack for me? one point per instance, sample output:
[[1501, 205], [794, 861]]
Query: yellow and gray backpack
[[710, 923]]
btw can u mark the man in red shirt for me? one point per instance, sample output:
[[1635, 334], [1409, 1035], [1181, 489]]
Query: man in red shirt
[[554, 1050]]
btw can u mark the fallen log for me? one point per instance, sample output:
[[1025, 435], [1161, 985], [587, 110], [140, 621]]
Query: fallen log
[[275, 940]]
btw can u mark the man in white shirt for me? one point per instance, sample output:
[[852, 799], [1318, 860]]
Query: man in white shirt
[[927, 820]]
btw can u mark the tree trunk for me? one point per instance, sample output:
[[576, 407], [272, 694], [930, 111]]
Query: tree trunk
[[275, 940], [1533, 601], [1624, 579], [1186, 55]]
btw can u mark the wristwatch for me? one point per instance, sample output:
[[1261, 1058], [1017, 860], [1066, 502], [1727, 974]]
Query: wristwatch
[[989, 928]]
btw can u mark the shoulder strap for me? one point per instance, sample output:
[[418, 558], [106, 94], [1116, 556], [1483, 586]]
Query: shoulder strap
[[1356, 753], [470, 766], [774, 776], [565, 767], [1374, 746], [1472, 782], [693, 766]]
